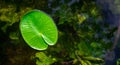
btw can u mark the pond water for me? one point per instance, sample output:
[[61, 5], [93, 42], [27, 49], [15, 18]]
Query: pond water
[[88, 32]]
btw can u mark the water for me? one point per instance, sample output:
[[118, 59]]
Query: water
[[111, 12], [95, 28]]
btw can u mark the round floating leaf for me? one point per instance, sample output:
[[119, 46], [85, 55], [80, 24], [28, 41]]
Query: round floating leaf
[[38, 29]]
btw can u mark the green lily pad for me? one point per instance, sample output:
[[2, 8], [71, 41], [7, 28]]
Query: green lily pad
[[38, 29]]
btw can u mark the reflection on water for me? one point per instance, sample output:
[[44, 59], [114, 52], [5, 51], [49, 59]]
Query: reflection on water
[[111, 13]]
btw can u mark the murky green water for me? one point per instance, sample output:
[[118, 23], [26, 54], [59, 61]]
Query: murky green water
[[84, 37]]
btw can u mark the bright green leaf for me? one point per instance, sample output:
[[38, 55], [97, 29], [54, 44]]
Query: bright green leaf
[[38, 30]]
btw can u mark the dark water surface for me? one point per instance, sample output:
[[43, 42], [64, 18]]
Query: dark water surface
[[13, 51]]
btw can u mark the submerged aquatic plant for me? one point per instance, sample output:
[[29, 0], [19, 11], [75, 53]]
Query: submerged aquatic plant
[[38, 30]]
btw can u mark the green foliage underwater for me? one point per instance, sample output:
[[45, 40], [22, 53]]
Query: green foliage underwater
[[83, 37]]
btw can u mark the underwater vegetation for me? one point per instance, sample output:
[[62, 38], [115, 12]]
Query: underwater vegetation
[[80, 26]]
